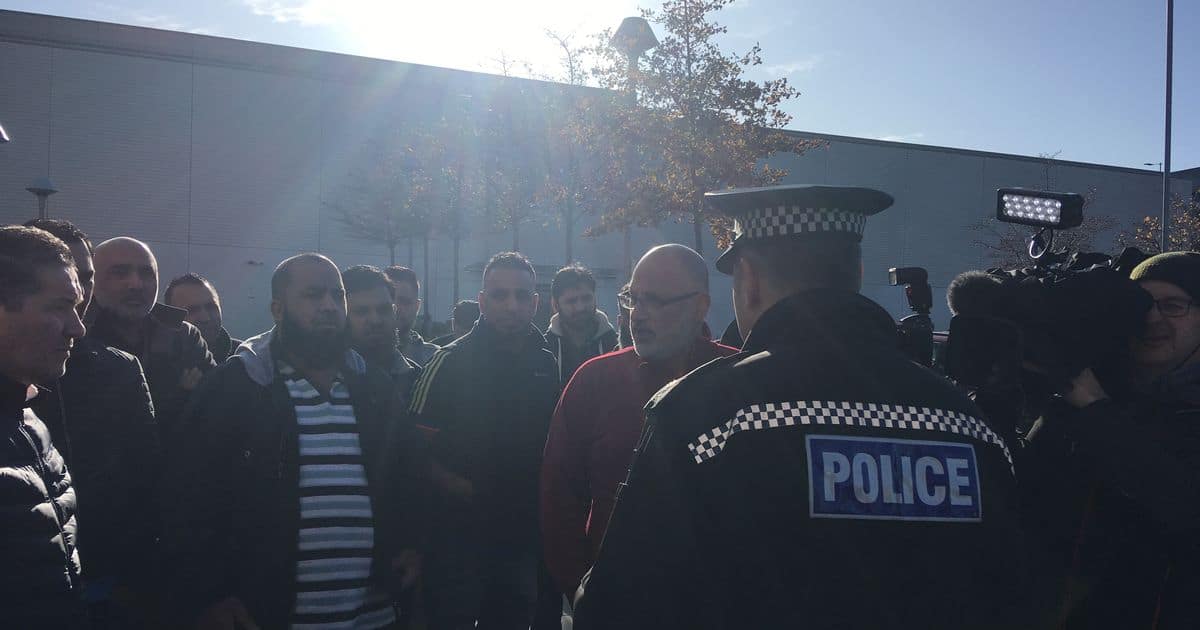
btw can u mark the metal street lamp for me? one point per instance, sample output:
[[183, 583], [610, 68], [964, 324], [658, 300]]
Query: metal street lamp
[[633, 38], [1156, 164], [42, 188]]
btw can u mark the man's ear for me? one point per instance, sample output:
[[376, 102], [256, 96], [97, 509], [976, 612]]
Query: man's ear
[[749, 281], [277, 311]]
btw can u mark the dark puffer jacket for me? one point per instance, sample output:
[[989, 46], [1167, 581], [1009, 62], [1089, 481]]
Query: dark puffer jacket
[[102, 422], [37, 521]]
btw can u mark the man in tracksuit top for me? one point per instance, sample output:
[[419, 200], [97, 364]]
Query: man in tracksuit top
[[291, 499], [486, 402]]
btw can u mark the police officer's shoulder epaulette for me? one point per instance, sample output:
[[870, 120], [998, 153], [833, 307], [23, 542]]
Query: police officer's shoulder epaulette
[[700, 382]]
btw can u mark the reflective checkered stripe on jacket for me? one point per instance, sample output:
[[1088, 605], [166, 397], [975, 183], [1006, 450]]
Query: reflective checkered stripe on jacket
[[844, 414]]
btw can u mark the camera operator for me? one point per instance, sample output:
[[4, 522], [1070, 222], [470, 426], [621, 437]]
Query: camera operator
[[1114, 481]]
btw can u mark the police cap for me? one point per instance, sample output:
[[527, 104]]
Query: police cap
[[795, 212]]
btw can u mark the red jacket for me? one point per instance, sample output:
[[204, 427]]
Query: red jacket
[[592, 436]]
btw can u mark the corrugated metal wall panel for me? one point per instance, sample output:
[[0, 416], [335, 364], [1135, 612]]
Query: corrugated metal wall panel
[[256, 159], [119, 144]]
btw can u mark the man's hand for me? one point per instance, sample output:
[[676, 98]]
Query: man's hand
[[227, 614], [452, 485], [190, 379], [1085, 390], [408, 564]]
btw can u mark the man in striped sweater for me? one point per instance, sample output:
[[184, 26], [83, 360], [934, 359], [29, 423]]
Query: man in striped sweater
[[297, 481]]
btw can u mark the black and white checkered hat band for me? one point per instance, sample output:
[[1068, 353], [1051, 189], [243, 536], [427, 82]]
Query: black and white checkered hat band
[[843, 414], [789, 220]]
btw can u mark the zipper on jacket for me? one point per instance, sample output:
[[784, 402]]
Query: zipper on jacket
[[40, 466]]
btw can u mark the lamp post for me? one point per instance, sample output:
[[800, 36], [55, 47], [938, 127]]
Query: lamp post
[[633, 38], [1166, 171], [42, 188]]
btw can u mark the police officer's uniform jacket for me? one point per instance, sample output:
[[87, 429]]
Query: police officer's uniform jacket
[[817, 479]]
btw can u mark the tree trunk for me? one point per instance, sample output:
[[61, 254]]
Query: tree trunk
[[698, 225], [457, 241], [425, 262], [516, 230], [410, 252], [392, 252], [628, 233], [569, 227]]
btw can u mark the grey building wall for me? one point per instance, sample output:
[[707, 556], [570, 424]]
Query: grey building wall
[[225, 156]]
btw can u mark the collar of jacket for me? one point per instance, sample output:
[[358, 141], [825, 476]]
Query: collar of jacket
[[603, 326], [255, 354], [818, 315], [485, 334], [99, 318], [14, 396], [702, 351]]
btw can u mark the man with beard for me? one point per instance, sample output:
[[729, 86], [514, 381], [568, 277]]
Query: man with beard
[[408, 304], [371, 323], [99, 414], [193, 293], [125, 316], [599, 418], [578, 330], [488, 397], [292, 503]]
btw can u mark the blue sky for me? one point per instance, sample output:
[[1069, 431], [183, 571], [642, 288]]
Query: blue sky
[[1083, 79]]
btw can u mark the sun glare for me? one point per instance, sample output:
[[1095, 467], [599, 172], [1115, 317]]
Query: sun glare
[[474, 34]]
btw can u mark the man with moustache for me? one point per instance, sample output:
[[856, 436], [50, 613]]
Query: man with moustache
[[371, 324], [39, 323], [193, 293], [578, 330], [125, 316], [100, 414], [487, 399], [599, 417], [292, 501]]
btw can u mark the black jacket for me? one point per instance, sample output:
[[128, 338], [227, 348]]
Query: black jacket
[[816, 479], [233, 508], [1112, 493], [100, 417], [603, 341], [491, 412], [169, 347], [224, 347], [40, 566]]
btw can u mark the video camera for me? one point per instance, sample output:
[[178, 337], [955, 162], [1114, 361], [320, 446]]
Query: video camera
[[916, 330], [1036, 328]]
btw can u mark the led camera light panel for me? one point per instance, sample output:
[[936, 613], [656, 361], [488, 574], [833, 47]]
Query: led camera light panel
[[1039, 208]]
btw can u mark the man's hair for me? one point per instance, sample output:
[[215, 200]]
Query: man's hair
[[62, 229], [23, 251], [283, 273], [572, 276], [187, 278], [465, 311], [367, 277], [400, 274], [510, 260], [819, 264]]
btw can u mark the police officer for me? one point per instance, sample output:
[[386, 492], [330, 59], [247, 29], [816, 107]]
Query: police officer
[[819, 478]]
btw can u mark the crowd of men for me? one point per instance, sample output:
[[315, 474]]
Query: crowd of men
[[340, 471]]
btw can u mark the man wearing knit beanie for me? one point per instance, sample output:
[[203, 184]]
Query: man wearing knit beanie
[[1172, 338]]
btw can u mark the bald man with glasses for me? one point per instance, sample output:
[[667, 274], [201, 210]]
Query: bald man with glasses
[[599, 416]]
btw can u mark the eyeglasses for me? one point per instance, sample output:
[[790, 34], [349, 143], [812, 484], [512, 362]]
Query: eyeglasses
[[650, 301], [1173, 307]]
